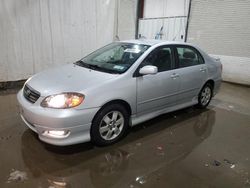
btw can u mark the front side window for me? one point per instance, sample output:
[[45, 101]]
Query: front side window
[[161, 58], [114, 58], [188, 57]]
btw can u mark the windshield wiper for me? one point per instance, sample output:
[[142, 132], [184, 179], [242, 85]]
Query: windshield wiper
[[82, 64], [95, 67]]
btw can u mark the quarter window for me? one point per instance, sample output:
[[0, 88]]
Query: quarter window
[[188, 57], [161, 58]]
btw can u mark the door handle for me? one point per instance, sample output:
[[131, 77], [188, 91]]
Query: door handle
[[174, 76], [202, 69]]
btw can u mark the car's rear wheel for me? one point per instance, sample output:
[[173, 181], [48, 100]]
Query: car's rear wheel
[[109, 125], [205, 96]]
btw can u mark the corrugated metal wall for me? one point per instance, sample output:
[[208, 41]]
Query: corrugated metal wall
[[37, 34], [222, 27]]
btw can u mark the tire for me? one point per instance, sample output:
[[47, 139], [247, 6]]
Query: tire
[[109, 125], [205, 96]]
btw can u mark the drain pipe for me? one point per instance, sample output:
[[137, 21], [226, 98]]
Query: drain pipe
[[188, 16], [139, 14]]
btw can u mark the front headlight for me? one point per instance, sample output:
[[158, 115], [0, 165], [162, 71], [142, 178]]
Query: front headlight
[[63, 100]]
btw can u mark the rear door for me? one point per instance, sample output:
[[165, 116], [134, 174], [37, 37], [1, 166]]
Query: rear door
[[192, 71]]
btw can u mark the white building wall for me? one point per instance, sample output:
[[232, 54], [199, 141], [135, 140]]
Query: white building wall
[[126, 19], [235, 69], [38, 34]]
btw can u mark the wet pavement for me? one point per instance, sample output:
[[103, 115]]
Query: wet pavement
[[187, 148]]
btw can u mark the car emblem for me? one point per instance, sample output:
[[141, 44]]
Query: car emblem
[[28, 92]]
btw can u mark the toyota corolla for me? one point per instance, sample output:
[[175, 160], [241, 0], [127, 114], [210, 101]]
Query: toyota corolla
[[122, 84]]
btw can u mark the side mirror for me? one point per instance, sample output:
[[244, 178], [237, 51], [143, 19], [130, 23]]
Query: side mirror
[[148, 69]]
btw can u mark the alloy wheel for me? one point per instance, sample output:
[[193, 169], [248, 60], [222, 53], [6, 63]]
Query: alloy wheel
[[206, 95], [111, 125]]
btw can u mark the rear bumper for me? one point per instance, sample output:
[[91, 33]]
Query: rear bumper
[[76, 123], [217, 85]]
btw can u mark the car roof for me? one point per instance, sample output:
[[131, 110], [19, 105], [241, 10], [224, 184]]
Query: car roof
[[153, 42]]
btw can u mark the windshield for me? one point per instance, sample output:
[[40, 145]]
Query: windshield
[[113, 58]]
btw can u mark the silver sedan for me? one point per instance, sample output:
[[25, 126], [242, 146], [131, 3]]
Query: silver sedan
[[122, 84]]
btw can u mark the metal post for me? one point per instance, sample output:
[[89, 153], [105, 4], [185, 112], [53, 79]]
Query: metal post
[[139, 14], [188, 16]]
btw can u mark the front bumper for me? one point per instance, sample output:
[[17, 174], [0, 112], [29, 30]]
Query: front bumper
[[76, 122]]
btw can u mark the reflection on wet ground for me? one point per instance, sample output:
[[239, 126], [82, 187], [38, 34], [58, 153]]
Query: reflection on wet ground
[[187, 148]]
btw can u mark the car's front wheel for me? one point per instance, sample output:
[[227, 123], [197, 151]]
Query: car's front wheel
[[205, 96], [109, 125]]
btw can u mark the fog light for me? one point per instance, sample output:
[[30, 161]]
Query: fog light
[[57, 133]]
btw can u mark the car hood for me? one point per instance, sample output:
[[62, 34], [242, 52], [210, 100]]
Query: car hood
[[67, 78]]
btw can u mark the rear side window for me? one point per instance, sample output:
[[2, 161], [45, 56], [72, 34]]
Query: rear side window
[[161, 58], [188, 57]]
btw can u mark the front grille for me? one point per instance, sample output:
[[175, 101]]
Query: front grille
[[30, 94]]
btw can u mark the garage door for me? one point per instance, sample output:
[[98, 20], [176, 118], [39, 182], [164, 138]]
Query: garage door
[[222, 28]]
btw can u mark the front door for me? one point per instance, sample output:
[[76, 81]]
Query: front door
[[155, 92]]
